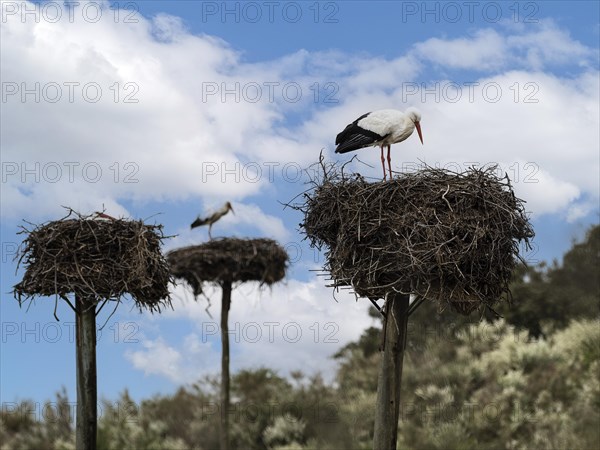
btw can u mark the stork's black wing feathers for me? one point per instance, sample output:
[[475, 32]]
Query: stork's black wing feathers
[[357, 141], [349, 130], [354, 137], [199, 222]]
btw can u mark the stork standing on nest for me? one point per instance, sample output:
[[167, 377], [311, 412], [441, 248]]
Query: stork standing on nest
[[379, 128], [210, 220]]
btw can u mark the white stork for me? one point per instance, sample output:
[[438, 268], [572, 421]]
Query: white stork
[[379, 128], [210, 220]]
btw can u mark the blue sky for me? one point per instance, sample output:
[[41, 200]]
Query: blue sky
[[167, 109]]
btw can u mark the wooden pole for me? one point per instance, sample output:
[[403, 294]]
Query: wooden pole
[[85, 333], [225, 304], [390, 373]]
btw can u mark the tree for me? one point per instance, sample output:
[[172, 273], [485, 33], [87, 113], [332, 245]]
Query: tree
[[555, 295]]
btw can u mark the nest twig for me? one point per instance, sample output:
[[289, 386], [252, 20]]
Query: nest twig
[[452, 237], [95, 259], [229, 260]]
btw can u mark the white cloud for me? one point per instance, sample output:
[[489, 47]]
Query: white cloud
[[374, 74], [251, 215], [153, 118], [485, 51], [578, 210], [544, 193], [295, 325], [549, 44], [534, 47], [180, 365], [168, 145], [158, 358]]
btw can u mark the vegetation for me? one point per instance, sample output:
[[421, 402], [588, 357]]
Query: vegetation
[[528, 380], [549, 297]]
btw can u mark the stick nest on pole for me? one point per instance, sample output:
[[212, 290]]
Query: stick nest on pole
[[229, 260], [95, 259], [446, 236]]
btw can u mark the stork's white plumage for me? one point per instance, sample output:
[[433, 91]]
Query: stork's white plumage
[[210, 220], [379, 128]]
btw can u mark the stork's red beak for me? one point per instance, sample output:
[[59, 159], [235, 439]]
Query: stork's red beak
[[418, 127]]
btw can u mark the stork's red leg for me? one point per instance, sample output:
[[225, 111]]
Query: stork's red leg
[[383, 162], [389, 158]]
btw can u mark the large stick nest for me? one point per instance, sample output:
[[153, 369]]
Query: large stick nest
[[96, 259], [451, 237], [229, 260]]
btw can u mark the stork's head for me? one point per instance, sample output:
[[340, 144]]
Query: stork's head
[[229, 207], [415, 116]]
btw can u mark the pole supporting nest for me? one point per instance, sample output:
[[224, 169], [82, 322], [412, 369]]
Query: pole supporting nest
[[390, 373], [225, 306], [85, 333]]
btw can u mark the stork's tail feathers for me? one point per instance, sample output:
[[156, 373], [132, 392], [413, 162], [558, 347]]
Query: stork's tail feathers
[[199, 222], [347, 147]]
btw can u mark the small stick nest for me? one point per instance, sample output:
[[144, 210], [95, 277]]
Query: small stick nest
[[451, 237], [95, 259], [229, 260]]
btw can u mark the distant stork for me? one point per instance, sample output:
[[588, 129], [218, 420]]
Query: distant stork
[[379, 128], [210, 220], [100, 215]]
